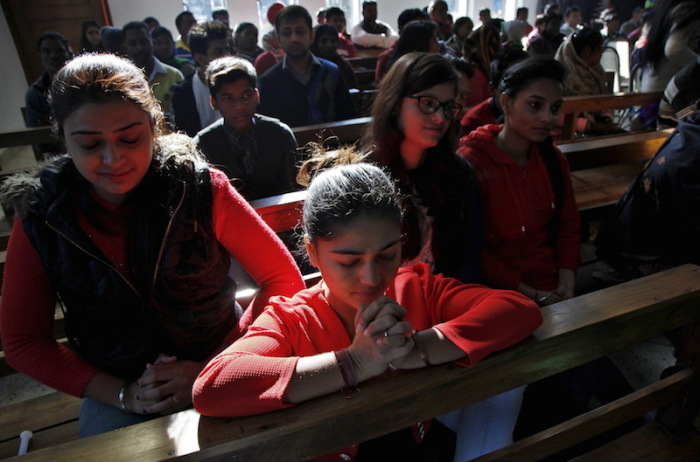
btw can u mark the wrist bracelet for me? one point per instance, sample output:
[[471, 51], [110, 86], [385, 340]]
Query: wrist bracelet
[[347, 371], [419, 347], [122, 392], [543, 299]]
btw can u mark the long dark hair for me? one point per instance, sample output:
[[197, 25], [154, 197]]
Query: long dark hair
[[515, 79], [443, 181], [488, 42], [85, 44], [415, 36], [666, 19]]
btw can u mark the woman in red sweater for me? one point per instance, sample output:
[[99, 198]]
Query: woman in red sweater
[[132, 233], [532, 227], [364, 317]]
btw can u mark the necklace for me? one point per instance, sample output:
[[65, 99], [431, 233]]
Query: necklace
[[519, 159]]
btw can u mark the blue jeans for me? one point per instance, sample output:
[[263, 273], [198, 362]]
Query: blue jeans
[[97, 417], [485, 426]]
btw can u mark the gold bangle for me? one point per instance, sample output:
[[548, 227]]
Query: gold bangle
[[419, 347]]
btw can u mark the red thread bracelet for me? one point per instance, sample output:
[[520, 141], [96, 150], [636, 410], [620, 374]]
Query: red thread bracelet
[[347, 371]]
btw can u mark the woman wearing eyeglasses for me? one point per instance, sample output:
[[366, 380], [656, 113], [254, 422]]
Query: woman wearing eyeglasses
[[411, 134]]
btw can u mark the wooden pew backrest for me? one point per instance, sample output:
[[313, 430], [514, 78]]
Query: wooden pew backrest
[[574, 332]]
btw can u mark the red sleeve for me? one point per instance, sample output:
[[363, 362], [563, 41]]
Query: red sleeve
[[494, 268], [568, 246], [249, 377], [27, 320], [478, 319], [253, 244]]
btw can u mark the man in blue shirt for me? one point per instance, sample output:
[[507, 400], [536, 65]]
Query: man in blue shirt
[[302, 89]]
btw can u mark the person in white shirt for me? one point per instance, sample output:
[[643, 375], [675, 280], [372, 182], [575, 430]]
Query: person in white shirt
[[192, 108], [371, 33]]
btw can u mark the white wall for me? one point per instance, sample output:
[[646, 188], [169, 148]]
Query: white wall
[[165, 11], [389, 10], [14, 83]]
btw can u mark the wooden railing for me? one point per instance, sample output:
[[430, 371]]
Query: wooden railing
[[575, 105], [574, 332]]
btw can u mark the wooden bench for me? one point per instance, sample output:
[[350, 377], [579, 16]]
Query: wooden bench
[[345, 132], [282, 213], [363, 62], [575, 105], [349, 131], [574, 332], [601, 171], [26, 137], [602, 168]]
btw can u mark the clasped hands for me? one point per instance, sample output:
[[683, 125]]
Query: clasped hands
[[164, 387], [382, 338]]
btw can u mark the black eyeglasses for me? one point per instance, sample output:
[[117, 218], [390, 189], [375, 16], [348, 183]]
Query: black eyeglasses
[[430, 105]]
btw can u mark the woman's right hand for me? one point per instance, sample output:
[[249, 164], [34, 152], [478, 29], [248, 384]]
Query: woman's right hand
[[372, 350]]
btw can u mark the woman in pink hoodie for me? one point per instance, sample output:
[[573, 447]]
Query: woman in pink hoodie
[[532, 226]]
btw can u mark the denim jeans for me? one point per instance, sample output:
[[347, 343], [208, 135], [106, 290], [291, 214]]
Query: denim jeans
[[97, 417], [485, 426]]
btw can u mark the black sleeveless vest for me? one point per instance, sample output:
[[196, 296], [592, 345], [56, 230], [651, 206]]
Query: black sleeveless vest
[[185, 308]]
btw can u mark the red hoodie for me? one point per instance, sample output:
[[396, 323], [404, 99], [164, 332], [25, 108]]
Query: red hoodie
[[518, 204]]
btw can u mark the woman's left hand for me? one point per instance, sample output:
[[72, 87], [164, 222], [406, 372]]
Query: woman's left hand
[[567, 284], [168, 382]]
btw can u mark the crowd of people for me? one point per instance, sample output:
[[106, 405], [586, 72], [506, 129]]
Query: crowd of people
[[437, 236]]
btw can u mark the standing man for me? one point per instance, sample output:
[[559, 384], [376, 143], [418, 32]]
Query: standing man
[[139, 49], [54, 51], [256, 152], [192, 108], [302, 89], [371, 33], [572, 19], [522, 14], [184, 22], [484, 16], [220, 15]]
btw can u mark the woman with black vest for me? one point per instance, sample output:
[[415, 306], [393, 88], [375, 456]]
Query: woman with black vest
[[132, 234]]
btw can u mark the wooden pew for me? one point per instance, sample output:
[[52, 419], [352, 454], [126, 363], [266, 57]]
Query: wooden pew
[[282, 213], [363, 62], [574, 105], [574, 332], [602, 168], [345, 131], [26, 137], [349, 131]]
